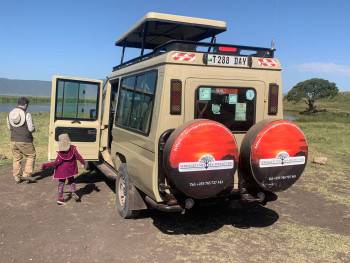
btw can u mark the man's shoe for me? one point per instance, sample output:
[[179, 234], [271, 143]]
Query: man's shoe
[[28, 179], [18, 179]]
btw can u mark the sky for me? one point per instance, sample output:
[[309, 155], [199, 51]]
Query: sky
[[76, 38]]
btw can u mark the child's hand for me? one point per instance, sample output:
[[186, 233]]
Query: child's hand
[[82, 166]]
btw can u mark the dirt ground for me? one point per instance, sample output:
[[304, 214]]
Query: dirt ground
[[299, 227]]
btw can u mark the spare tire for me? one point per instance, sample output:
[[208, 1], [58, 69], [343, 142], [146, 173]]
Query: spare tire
[[200, 159], [273, 154]]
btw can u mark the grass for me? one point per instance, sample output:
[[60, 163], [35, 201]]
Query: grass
[[41, 121], [328, 135], [332, 140]]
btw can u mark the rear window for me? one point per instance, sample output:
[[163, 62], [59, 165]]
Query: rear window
[[232, 106], [76, 100]]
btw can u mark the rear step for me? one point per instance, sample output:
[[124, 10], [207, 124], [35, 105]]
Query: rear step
[[163, 207]]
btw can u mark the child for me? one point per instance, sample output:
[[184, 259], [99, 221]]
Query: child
[[65, 166]]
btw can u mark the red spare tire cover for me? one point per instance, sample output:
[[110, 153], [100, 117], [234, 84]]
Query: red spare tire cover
[[276, 153], [200, 159]]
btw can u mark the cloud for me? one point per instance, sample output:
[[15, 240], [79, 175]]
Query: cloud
[[321, 67]]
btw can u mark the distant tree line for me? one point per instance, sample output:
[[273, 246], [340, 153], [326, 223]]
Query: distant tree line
[[32, 99], [41, 100]]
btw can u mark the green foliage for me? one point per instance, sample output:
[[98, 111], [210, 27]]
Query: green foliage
[[312, 90], [32, 100]]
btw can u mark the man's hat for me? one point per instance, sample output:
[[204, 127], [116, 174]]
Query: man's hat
[[17, 117]]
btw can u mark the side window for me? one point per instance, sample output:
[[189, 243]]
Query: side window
[[76, 100], [125, 101], [135, 103]]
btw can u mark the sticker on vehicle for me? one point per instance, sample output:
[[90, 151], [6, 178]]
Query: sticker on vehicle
[[250, 94], [282, 159], [205, 163], [204, 93], [232, 98], [241, 110], [215, 108]]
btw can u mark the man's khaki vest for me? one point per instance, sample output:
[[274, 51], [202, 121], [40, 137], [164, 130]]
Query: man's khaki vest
[[21, 134]]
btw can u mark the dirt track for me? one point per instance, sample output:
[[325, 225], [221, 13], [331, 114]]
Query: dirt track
[[299, 227]]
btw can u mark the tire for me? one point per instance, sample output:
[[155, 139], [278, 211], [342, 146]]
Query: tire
[[122, 194]]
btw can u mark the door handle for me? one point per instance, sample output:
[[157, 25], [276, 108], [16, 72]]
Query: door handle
[[76, 121]]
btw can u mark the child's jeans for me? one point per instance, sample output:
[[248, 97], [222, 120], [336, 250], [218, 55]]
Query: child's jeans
[[61, 183]]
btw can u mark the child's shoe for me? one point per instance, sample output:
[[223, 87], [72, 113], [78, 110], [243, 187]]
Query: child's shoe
[[76, 197], [60, 201]]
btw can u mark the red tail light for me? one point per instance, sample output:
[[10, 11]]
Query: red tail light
[[175, 97], [273, 99], [228, 49]]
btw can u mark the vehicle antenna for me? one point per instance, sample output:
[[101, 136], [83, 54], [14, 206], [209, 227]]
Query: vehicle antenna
[[273, 44]]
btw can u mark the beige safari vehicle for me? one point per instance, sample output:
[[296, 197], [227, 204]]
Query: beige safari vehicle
[[185, 122]]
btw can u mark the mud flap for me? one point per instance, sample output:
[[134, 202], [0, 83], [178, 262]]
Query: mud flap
[[136, 201]]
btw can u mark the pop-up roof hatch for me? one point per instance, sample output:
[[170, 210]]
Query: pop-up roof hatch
[[155, 29]]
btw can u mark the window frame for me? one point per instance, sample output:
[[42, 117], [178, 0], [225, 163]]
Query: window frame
[[230, 87], [78, 81], [128, 128]]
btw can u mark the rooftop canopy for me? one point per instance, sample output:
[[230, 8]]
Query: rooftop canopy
[[155, 29]]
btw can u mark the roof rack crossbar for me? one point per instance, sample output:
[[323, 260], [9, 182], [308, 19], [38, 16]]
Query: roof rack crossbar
[[162, 49]]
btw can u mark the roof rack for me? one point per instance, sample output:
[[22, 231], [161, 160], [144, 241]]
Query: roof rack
[[212, 47]]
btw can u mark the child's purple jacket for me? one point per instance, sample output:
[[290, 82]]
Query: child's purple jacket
[[66, 163]]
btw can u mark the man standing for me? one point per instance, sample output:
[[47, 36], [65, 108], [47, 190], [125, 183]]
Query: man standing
[[21, 126]]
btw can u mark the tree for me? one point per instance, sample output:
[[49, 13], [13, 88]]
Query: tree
[[311, 90]]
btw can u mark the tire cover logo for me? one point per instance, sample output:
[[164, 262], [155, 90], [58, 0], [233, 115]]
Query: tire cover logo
[[205, 163], [282, 159]]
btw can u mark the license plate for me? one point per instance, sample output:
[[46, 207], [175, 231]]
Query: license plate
[[230, 61]]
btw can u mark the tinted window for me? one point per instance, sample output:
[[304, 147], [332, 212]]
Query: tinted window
[[233, 107], [76, 100], [135, 101]]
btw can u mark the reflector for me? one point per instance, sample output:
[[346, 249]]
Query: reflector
[[273, 99], [175, 97]]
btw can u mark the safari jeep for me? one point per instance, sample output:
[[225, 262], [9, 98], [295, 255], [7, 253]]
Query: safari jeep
[[186, 122]]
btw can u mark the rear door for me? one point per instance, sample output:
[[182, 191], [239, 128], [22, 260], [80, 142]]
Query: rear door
[[236, 103], [76, 110]]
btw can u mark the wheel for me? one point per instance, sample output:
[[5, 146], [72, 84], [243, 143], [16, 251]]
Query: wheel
[[122, 193]]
